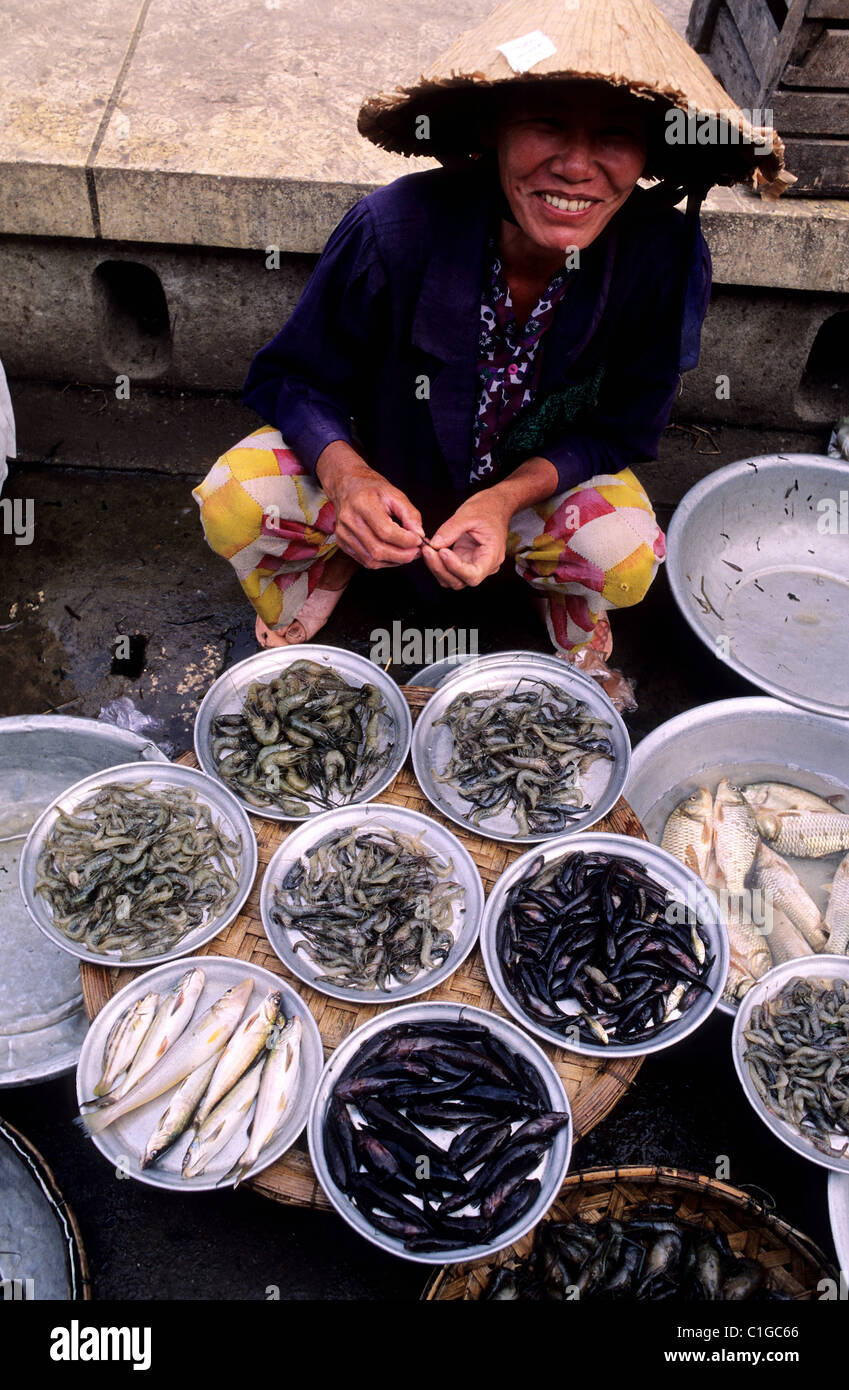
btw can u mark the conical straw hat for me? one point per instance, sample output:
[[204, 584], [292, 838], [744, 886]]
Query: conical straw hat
[[627, 43]]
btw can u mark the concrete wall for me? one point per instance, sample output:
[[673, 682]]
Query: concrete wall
[[761, 340], [58, 323], [222, 305]]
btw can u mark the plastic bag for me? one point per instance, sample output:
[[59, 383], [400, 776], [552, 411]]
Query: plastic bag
[[125, 715], [838, 445], [615, 684]]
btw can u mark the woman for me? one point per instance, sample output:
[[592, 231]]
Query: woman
[[485, 350]]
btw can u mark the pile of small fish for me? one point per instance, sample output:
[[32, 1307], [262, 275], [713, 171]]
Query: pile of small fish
[[374, 908], [307, 739], [522, 751], [596, 934], [443, 1076], [798, 1058], [735, 841], [133, 869], [220, 1064], [647, 1256]]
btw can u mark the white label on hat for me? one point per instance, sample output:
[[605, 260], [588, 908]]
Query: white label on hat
[[522, 53]]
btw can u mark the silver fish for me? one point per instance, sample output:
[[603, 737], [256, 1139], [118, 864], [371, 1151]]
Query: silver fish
[[200, 1042], [837, 912], [124, 1041], [248, 1040], [805, 834], [172, 1019], [688, 833], [738, 982], [222, 1122], [176, 1118], [735, 836], [748, 950], [279, 1082], [784, 890], [747, 941], [782, 796], [785, 941]]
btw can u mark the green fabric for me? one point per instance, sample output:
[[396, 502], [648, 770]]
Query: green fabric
[[545, 420]]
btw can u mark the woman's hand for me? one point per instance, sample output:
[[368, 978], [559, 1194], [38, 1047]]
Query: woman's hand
[[375, 523], [472, 543]]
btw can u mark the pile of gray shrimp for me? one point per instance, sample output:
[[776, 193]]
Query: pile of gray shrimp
[[523, 752], [373, 908], [303, 742], [134, 870]]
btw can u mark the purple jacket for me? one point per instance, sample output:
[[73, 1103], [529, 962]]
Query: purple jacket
[[382, 347]]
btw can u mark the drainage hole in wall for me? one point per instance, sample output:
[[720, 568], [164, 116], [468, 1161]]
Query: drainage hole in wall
[[136, 327], [825, 381]]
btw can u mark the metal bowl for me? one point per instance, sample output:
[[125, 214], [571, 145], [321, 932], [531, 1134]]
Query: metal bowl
[[816, 967], [42, 1017], [225, 808], [227, 696], [438, 672], [438, 839], [752, 739], [838, 1211], [431, 749], [760, 571], [124, 1142], [556, 1160], [671, 874], [41, 1250]]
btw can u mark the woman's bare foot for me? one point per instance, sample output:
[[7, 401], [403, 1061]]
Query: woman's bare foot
[[338, 572], [600, 640], [271, 637]]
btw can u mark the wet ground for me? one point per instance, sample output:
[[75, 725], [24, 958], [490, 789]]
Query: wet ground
[[121, 555]]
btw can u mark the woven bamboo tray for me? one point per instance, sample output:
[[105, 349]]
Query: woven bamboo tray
[[794, 1263], [594, 1086]]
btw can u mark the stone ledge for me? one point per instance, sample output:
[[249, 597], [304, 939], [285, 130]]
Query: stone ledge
[[793, 245]]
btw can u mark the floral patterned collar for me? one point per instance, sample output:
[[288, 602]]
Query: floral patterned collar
[[509, 355]]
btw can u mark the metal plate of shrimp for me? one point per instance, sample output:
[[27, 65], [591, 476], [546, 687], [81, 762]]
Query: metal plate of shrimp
[[294, 754], [42, 1017], [838, 1212], [367, 929], [227, 817], [816, 1067], [520, 747]]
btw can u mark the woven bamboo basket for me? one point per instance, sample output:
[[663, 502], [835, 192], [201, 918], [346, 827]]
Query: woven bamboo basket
[[594, 1085], [44, 1174], [793, 1262]]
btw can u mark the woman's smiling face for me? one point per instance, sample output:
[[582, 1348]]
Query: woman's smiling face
[[568, 162]]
